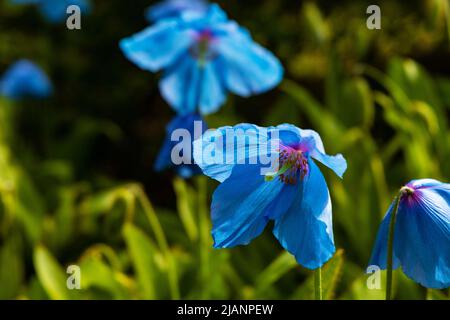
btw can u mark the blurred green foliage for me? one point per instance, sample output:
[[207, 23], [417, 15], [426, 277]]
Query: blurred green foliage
[[77, 186]]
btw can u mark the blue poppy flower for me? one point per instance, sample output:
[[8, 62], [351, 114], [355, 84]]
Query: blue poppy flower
[[293, 194], [25, 79], [186, 168], [421, 235], [56, 10], [203, 56], [173, 8]]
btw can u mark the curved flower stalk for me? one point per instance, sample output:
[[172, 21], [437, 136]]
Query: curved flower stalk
[[180, 133], [173, 8], [421, 234], [25, 79], [203, 56], [55, 11], [293, 192]]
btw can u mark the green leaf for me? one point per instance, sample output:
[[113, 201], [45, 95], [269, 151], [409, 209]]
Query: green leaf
[[143, 253], [11, 267], [433, 294], [331, 274], [51, 275], [279, 267], [185, 208], [100, 281]]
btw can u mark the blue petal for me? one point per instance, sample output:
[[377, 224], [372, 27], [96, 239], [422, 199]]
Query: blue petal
[[25, 79], [421, 183], [336, 163], [422, 238], [212, 94], [238, 204], [305, 230], [24, 1], [247, 67], [173, 8], [56, 10], [379, 252], [188, 171], [219, 150], [282, 202], [164, 160], [158, 46], [180, 85]]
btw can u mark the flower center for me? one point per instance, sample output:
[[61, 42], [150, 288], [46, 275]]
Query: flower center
[[296, 164], [201, 50], [293, 165]]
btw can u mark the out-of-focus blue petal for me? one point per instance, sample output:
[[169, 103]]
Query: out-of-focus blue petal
[[190, 85], [212, 94], [219, 150], [56, 10], [247, 67], [238, 204], [164, 160], [204, 55], [24, 1], [158, 46], [173, 8], [180, 85], [422, 235], [187, 171], [25, 79], [305, 230]]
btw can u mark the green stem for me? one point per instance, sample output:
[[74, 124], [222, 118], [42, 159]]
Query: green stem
[[162, 242], [318, 283], [390, 253], [205, 245]]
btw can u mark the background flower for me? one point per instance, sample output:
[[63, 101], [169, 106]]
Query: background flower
[[56, 10], [421, 236], [203, 56], [174, 8], [164, 159], [25, 79]]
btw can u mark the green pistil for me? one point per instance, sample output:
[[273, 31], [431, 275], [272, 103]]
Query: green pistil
[[203, 48], [283, 169]]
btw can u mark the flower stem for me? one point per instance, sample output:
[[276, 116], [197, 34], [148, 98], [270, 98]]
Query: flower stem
[[318, 283], [390, 252]]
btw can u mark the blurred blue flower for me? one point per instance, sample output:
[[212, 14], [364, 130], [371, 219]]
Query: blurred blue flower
[[25, 79], [164, 159], [295, 195], [56, 10], [421, 234], [173, 8], [203, 56]]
